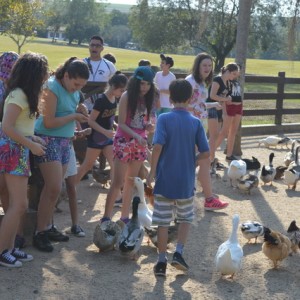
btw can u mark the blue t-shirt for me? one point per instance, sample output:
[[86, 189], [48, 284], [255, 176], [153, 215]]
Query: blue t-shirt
[[178, 132], [66, 105]]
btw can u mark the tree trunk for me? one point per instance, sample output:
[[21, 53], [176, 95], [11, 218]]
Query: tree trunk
[[241, 55]]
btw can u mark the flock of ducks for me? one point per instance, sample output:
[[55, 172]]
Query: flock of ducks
[[127, 238], [276, 246], [239, 171]]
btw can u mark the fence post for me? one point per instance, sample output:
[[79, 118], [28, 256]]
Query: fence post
[[279, 100]]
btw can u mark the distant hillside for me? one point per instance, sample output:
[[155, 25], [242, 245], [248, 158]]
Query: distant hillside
[[124, 8]]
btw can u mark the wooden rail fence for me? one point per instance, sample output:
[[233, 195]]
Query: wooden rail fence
[[278, 126]]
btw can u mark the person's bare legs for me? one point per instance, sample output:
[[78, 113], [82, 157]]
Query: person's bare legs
[[4, 196], [90, 157], [52, 173], [18, 204], [204, 177], [233, 129], [213, 129], [116, 185], [224, 132], [72, 195], [132, 171]]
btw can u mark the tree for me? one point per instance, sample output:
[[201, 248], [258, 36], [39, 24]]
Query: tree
[[56, 12], [83, 19], [21, 20], [208, 25], [241, 54]]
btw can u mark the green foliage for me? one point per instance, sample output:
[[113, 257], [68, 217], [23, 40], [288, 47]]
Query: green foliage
[[127, 60], [21, 20]]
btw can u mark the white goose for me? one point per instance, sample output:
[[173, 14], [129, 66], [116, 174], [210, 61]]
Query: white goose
[[229, 256], [144, 212]]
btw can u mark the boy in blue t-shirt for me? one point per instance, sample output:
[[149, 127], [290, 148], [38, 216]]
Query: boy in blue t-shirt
[[173, 167]]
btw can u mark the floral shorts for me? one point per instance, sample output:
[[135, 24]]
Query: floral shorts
[[57, 149], [14, 158], [129, 149]]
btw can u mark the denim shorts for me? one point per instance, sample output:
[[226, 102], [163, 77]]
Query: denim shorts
[[214, 113], [57, 149]]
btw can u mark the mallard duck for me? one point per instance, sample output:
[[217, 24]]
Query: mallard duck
[[276, 246], [252, 230], [279, 172], [290, 156], [268, 172], [237, 169], [132, 234], [248, 182], [293, 234], [101, 176], [144, 212], [229, 256], [252, 164], [285, 141], [106, 235], [172, 233]]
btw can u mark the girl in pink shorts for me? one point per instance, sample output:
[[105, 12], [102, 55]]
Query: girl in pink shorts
[[130, 142]]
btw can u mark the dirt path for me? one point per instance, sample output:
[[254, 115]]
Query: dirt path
[[75, 270]]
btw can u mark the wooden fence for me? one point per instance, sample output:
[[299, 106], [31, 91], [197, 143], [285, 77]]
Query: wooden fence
[[278, 126]]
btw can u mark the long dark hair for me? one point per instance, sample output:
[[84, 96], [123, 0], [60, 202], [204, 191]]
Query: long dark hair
[[29, 73], [74, 67], [195, 69], [133, 94]]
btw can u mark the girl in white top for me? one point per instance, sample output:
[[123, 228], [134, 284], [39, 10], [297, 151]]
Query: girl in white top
[[201, 79]]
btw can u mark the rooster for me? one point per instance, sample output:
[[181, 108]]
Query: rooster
[[276, 246]]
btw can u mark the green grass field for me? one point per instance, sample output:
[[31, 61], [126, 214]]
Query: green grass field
[[128, 59]]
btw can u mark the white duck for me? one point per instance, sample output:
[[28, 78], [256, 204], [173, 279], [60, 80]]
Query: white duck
[[274, 141], [144, 212], [237, 169], [290, 156], [252, 230], [229, 256], [268, 172], [106, 235], [133, 233], [291, 177], [270, 141]]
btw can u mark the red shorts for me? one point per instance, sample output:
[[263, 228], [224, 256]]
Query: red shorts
[[233, 109]]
